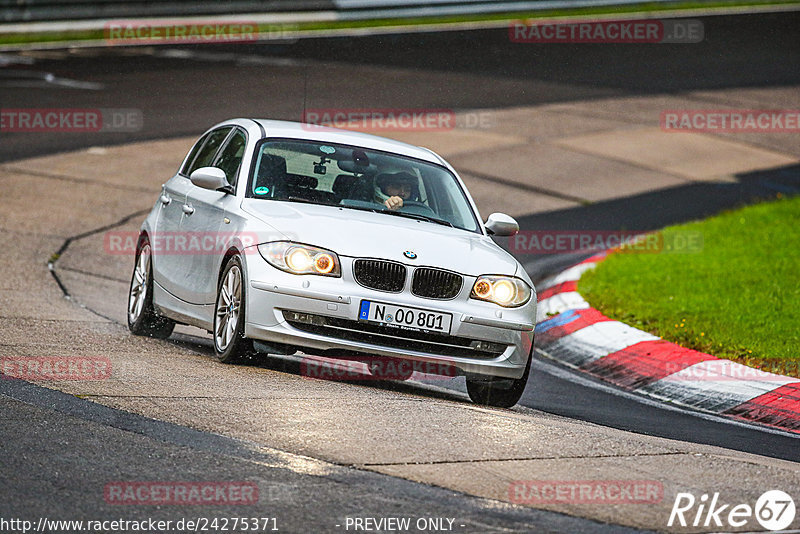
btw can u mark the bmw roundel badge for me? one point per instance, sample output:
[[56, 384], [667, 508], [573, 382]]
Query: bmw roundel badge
[[410, 255]]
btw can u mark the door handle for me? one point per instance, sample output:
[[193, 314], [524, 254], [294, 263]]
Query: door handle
[[164, 198], [187, 209]]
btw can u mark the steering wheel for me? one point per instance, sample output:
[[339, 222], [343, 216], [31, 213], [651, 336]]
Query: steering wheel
[[420, 206]]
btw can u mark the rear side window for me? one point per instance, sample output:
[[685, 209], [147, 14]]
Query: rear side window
[[205, 155], [230, 158]]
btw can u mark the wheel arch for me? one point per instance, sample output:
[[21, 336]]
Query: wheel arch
[[232, 251]]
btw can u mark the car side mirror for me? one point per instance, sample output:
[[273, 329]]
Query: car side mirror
[[211, 178], [501, 225]]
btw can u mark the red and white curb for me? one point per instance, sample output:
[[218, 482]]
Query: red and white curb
[[573, 333]]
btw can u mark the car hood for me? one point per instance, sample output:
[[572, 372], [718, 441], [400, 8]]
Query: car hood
[[365, 234]]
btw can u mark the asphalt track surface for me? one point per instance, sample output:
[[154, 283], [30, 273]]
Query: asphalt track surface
[[463, 70]]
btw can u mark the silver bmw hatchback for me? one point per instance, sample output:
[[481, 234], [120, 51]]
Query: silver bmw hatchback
[[334, 243]]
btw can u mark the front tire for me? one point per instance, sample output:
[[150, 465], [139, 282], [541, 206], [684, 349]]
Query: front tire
[[230, 345], [499, 392], [142, 317]]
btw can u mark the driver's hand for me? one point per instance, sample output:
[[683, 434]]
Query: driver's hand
[[393, 203]]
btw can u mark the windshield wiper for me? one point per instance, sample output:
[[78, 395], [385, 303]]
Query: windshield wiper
[[308, 201], [360, 208], [417, 216]]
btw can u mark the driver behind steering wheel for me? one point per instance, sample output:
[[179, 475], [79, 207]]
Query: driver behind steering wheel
[[391, 189]]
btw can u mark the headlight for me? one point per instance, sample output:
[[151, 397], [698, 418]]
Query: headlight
[[300, 259], [506, 291]]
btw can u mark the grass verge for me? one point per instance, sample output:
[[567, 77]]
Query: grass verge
[[737, 298], [296, 30]]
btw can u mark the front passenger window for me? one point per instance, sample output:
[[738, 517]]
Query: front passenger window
[[206, 154]]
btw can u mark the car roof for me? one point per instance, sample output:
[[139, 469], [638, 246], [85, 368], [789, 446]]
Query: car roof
[[297, 130]]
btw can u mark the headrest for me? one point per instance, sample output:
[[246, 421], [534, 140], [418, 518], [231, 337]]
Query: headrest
[[298, 180], [342, 184], [271, 166]]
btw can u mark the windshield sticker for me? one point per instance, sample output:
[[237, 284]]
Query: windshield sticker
[[327, 149], [261, 190]]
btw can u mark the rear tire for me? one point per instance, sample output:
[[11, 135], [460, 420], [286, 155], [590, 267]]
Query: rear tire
[[142, 317], [230, 345], [499, 392]]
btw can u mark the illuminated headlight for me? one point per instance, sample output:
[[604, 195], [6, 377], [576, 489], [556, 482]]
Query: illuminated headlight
[[300, 259], [506, 291]]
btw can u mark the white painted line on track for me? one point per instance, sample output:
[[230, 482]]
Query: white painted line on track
[[559, 303], [570, 275], [596, 341]]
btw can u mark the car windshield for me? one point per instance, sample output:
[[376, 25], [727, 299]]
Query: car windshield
[[359, 178]]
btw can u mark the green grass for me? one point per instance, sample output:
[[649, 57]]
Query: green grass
[[87, 36], [738, 298]]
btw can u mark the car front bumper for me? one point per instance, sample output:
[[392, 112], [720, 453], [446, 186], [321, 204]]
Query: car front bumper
[[320, 315]]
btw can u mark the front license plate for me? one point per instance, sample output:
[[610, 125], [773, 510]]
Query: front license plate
[[404, 317]]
